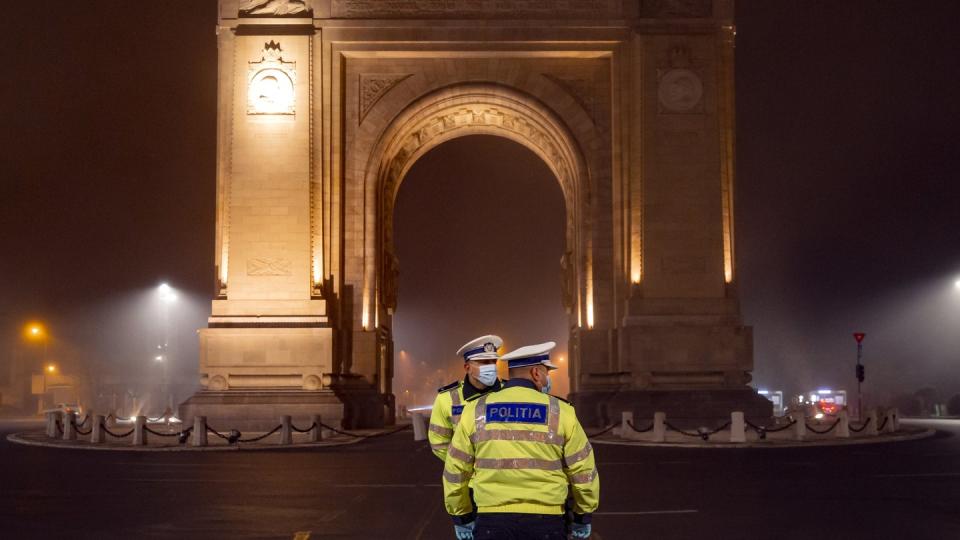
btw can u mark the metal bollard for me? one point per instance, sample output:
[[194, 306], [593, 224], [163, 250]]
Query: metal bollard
[[316, 432], [738, 427], [96, 430], [70, 426], [871, 430], [800, 427], [286, 434], [419, 426], [52, 418], [843, 428], [659, 428], [891, 422], [199, 437], [139, 434]]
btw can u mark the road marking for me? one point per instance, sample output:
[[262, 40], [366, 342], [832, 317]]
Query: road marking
[[301, 535], [377, 485], [646, 513], [917, 475]]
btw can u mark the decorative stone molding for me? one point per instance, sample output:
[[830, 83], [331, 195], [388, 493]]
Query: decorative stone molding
[[680, 83], [217, 382], [460, 111], [269, 266], [375, 86], [275, 8], [525, 9], [311, 382], [270, 83], [667, 9], [679, 91], [581, 90]]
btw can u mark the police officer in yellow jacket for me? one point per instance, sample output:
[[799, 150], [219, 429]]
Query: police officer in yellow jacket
[[521, 450], [480, 364]]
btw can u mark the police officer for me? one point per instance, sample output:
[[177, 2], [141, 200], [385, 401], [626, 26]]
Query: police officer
[[480, 364], [521, 450]]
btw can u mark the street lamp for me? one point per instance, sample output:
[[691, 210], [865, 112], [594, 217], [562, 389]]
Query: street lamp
[[167, 295]]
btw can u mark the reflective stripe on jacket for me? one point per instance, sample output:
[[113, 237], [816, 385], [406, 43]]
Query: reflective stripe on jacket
[[444, 418], [519, 450]]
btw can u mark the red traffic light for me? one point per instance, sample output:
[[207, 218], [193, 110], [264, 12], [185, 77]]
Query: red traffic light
[[859, 336]]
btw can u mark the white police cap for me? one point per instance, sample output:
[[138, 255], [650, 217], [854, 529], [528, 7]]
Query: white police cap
[[482, 348], [531, 355]]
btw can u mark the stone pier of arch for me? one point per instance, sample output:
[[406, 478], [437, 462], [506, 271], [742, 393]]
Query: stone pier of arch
[[326, 104]]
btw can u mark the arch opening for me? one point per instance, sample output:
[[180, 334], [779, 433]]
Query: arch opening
[[479, 233]]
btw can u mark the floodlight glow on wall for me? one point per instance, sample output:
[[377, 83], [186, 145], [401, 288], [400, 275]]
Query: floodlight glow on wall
[[270, 92]]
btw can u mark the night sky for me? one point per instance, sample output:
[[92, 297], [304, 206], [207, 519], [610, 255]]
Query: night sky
[[846, 202]]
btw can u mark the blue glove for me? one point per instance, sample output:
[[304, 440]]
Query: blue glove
[[580, 530], [465, 532]]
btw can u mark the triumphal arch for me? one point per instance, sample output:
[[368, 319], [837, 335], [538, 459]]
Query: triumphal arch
[[324, 105]]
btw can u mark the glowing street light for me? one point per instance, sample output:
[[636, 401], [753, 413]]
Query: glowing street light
[[51, 368], [166, 292], [956, 284]]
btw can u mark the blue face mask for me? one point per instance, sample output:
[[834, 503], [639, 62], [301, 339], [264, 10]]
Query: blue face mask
[[488, 374], [546, 388]]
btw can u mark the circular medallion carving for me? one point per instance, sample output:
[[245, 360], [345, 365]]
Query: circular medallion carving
[[217, 382], [311, 382], [680, 90]]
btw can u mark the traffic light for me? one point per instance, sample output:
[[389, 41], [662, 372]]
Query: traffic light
[[860, 372]]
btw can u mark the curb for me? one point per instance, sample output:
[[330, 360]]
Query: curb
[[906, 436], [19, 438]]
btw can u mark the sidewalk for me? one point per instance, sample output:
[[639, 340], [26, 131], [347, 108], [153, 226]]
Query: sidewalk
[[779, 439], [170, 442]]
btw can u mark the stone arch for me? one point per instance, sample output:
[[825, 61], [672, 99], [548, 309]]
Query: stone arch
[[457, 111]]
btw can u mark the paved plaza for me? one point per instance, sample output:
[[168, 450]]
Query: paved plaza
[[389, 488]]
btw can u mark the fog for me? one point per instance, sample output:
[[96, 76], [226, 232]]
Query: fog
[[479, 232]]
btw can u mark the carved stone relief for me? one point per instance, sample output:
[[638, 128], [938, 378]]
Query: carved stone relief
[[274, 8], [270, 84], [680, 85], [268, 266], [375, 86]]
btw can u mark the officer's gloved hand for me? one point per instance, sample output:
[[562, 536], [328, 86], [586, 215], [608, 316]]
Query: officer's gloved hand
[[580, 530], [465, 532]]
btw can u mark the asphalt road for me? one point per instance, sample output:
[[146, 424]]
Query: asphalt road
[[389, 488]]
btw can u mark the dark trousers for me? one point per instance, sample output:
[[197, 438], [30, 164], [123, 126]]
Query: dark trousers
[[519, 527]]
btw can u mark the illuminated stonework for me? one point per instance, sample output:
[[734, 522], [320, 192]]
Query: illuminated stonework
[[325, 105], [271, 86]]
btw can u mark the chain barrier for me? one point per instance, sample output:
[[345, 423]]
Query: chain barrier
[[882, 424], [217, 433], [161, 433], [862, 427], [261, 437], [298, 430], [703, 433], [763, 430], [825, 431], [117, 435], [633, 427], [85, 420], [601, 432], [82, 432]]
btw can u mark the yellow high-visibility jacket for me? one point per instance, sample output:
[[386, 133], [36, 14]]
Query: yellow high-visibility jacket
[[446, 412], [519, 449]]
